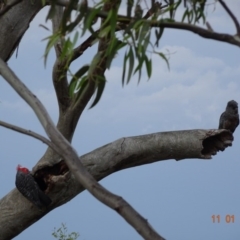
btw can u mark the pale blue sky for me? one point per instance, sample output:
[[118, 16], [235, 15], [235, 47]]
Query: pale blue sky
[[178, 198]]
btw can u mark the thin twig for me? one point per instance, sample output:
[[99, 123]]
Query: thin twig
[[78, 51], [8, 6], [209, 27], [29, 133], [197, 30], [224, 5], [155, 8]]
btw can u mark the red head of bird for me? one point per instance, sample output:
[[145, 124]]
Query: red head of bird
[[22, 169]]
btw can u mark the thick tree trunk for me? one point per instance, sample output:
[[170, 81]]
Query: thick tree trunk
[[14, 23]]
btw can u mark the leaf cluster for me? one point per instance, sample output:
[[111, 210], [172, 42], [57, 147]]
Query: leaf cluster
[[194, 11], [131, 33], [62, 234]]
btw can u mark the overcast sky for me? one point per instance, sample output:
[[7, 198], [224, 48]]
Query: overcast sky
[[177, 198]]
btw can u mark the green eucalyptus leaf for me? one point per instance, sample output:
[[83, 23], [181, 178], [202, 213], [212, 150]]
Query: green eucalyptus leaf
[[185, 15], [124, 68], [81, 86], [144, 31], [100, 88], [162, 55], [148, 64], [158, 34], [72, 87], [131, 64], [146, 42], [75, 80], [52, 40], [190, 16], [94, 63]]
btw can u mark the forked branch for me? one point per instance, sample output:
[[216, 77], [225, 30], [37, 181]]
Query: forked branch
[[78, 170]]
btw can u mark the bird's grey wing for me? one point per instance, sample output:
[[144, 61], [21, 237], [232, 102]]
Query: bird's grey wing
[[221, 120], [45, 200]]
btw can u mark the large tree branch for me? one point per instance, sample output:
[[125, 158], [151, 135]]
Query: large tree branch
[[205, 33], [120, 154], [76, 167]]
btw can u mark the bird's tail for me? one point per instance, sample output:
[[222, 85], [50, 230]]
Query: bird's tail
[[45, 200]]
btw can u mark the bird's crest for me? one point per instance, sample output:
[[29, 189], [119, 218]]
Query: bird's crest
[[22, 169]]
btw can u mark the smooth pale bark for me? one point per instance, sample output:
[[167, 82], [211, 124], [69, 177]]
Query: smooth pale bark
[[17, 213]]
